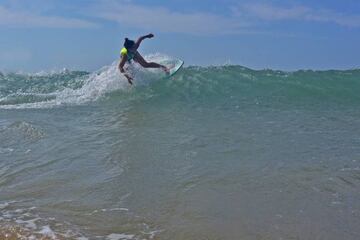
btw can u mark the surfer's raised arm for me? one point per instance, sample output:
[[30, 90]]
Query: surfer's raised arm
[[140, 39]]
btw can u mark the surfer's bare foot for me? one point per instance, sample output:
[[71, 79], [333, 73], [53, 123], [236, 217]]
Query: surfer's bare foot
[[166, 70]]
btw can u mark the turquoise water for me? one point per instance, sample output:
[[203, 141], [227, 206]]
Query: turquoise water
[[212, 153]]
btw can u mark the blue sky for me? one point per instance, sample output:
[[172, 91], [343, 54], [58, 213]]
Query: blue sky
[[87, 34]]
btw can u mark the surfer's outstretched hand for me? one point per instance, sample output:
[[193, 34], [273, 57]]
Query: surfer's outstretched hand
[[129, 78], [150, 35]]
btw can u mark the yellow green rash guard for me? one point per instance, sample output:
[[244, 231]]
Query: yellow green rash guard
[[129, 54]]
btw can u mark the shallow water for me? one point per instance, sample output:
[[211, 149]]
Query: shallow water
[[212, 153]]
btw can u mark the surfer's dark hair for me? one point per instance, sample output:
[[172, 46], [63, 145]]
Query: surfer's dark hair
[[128, 43]]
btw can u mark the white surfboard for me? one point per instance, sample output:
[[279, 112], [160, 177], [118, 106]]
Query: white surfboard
[[177, 66]]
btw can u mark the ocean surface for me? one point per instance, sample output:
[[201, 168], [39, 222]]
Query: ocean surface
[[222, 152]]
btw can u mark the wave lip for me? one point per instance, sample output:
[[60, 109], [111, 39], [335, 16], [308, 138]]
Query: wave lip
[[55, 89]]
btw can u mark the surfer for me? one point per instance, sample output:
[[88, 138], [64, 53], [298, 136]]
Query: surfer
[[129, 52]]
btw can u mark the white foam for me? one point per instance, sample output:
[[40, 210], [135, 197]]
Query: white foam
[[29, 223], [152, 234], [117, 236], [105, 80], [42, 73], [46, 230], [108, 210], [6, 204], [98, 83], [33, 224], [6, 150]]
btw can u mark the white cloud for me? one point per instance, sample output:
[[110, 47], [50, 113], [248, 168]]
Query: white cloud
[[12, 18], [274, 13], [338, 18], [268, 12], [165, 20]]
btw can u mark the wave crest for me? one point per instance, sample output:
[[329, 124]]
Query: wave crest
[[47, 90]]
